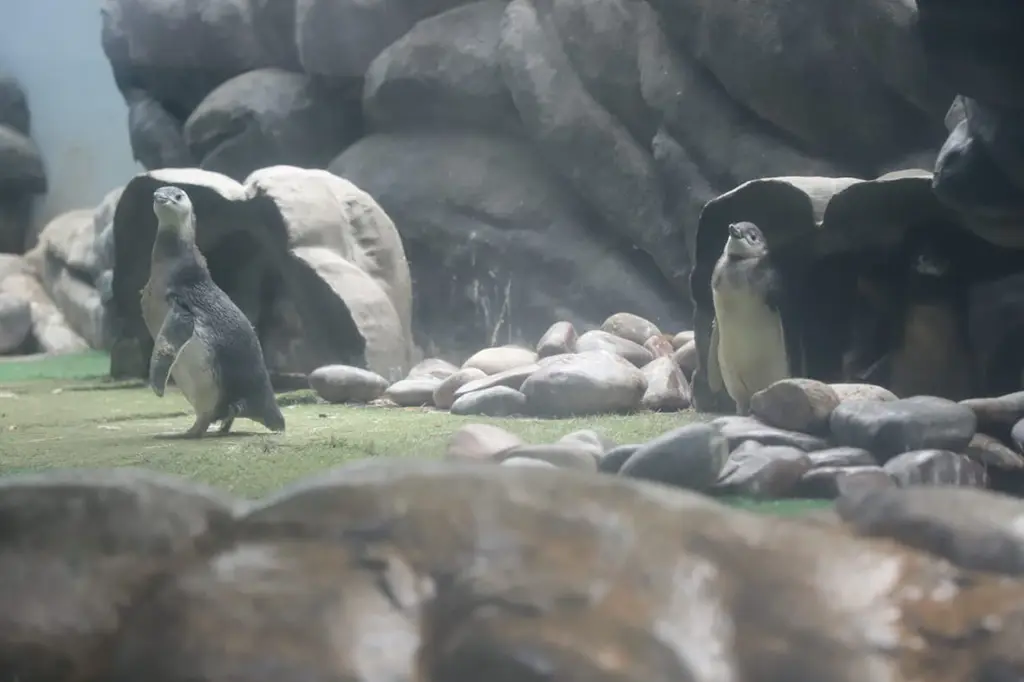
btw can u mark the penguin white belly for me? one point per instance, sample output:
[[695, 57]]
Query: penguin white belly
[[751, 344], [193, 373]]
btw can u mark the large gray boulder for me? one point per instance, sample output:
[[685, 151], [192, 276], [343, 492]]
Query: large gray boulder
[[496, 242], [269, 117]]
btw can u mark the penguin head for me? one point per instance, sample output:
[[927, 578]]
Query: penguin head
[[745, 241], [171, 204], [929, 261]]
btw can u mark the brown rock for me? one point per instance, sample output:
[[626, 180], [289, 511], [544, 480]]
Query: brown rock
[[760, 471], [598, 340], [828, 483], [345, 384], [862, 392], [667, 388], [413, 392], [78, 547], [481, 442], [524, 547], [500, 359], [559, 338], [274, 611], [562, 455], [686, 357], [432, 368], [511, 378], [444, 394], [936, 467], [595, 382], [682, 338], [659, 347], [795, 404], [975, 529], [987, 450]]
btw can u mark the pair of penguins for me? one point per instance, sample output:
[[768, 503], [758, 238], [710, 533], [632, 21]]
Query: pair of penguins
[[749, 349], [201, 338]]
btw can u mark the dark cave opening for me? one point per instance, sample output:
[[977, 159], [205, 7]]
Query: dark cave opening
[[856, 306]]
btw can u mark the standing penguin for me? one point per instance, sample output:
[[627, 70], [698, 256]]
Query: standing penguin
[[203, 340], [748, 350], [931, 351]]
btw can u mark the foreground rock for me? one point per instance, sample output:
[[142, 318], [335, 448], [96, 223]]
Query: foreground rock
[[973, 529], [78, 545], [390, 553]]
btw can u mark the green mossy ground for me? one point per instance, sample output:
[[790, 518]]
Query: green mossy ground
[[63, 412]]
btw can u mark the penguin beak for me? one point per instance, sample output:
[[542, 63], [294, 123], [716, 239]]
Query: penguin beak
[[161, 199], [734, 231]]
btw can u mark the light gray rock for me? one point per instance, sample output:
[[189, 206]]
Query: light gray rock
[[595, 382], [496, 401], [346, 384], [598, 340], [444, 394], [413, 392], [667, 388], [630, 327], [500, 359], [559, 338], [15, 322]]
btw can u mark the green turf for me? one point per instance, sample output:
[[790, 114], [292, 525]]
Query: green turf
[[61, 412]]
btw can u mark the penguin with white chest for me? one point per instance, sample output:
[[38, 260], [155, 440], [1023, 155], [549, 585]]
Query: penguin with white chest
[[201, 337], [748, 348]]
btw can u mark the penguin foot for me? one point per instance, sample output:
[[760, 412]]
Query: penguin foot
[[225, 425]]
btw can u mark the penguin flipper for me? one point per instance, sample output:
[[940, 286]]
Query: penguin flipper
[[714, 371], [776, 300], [176, 330]]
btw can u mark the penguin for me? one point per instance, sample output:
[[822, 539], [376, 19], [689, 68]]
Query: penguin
[[204, 341], [931, 352], [748, 349]]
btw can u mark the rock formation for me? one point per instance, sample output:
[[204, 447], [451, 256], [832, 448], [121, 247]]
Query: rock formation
[[22, 175], [542, 160]]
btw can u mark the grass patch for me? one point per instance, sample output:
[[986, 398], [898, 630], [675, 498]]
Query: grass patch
[[63, 413]]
